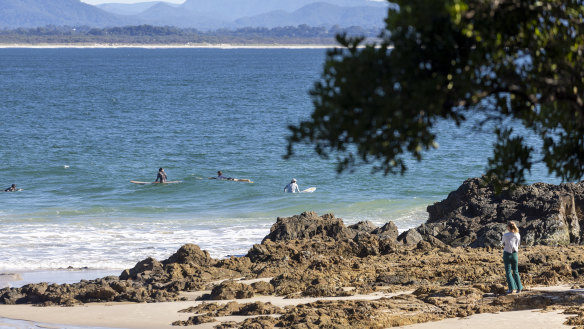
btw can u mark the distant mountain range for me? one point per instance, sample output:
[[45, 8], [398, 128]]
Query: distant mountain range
[[35, 13], [199, 14], [319, 14]]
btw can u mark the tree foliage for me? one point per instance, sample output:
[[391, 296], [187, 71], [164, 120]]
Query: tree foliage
[[509, 60]]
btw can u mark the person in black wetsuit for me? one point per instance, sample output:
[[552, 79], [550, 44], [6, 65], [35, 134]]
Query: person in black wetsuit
[[161, 177], [12, 188]]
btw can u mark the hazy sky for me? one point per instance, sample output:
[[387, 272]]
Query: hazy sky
[[96, 2]]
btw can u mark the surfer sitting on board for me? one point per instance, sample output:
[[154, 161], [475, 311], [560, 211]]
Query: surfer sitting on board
[[292, 187], [221, 177], [12, 188], [161, 177]]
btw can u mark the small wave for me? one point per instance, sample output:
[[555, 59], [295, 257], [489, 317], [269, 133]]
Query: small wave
[[105, 245]]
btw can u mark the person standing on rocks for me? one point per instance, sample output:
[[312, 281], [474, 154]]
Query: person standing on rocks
[[510, 259]]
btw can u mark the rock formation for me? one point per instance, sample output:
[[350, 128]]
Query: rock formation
[[311, 255], [474, 215]]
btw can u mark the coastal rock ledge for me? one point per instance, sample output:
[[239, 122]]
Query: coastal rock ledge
[[319, 256], [475, 216]]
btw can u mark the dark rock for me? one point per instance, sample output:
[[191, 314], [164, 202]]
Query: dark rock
[[309, 225], [389, 230], [144, 268], [12, 296], [474, 215], [231, 290], [191, 254], [263, 288], [367, 245], [363, 227], [195, 320], [98, 294], [410, 237], [388, 246], [259, 308]]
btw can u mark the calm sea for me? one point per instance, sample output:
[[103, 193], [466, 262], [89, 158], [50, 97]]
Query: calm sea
[[79, 124]]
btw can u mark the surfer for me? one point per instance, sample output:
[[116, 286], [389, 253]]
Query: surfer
[[221, 177], [161, 177], [292, 187], [12, 188]]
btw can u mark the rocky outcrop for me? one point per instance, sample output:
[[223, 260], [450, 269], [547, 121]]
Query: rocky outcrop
[[228, 290], [309, 225], [188, 269], [428, 303], [474, 215], [329, 259]]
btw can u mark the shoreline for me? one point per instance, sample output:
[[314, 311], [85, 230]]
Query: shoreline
[[19, 278], [166, 46]]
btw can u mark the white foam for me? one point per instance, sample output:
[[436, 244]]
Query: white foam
[[119, 243], [34, 246]]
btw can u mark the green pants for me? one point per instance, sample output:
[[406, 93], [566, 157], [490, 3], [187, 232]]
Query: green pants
[[512, 271]]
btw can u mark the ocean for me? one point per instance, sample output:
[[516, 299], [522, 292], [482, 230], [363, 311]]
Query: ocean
[[79, 124]]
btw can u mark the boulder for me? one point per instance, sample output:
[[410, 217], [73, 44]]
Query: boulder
[[192, 255], [410, 237], [475, 215], [231, 290], [143, 268], [389, 230], [363, 227], [309, 225]]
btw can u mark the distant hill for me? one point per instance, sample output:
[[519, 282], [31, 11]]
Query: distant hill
[[34, 13], [128, 8], [319, 14], [200, 14], [163, 14], [235, 9]]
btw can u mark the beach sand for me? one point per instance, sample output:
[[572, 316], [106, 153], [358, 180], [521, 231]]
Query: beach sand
[[161, 315]]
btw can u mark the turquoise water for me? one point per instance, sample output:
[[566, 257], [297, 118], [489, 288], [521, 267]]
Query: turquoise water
[[79, 124]]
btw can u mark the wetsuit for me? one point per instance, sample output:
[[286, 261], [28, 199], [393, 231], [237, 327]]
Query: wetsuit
[[161, 177]]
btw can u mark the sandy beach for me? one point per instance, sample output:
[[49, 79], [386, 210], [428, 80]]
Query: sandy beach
[[161, 315]]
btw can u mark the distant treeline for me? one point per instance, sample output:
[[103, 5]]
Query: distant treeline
[[148, 34]]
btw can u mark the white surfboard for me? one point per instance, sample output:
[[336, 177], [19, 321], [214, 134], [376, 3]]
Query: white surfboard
[[146, 183], [309, 190]]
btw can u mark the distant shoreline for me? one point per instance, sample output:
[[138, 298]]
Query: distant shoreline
[[167, 46]]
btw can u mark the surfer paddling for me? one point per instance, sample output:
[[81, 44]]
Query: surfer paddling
[[221, 177], [12, 188], [292, 187], [161, 177]]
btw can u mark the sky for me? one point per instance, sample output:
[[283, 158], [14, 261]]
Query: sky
[[97, 2]]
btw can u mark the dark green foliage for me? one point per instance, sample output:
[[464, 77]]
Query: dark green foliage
[[513, 61]]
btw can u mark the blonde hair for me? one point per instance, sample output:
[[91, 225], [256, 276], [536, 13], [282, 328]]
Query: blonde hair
[[513, 227]]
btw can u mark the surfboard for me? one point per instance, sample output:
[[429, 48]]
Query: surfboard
[[309, 190], [146, 183], [245, 180]]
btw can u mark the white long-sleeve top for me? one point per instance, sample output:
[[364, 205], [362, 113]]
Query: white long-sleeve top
[[292, 188], [510, 241]]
